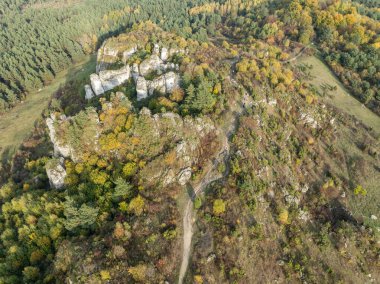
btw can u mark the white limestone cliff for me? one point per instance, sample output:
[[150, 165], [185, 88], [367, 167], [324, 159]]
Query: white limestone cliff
[[141, 88], [113, 78], [56, 173], [89, 93], [96, 84], [59, 148], [153, 63]]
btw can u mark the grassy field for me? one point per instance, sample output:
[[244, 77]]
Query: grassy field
[[341, 97], [16, 124]]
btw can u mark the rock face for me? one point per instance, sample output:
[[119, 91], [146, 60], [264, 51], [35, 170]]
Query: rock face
[[164, 54], [89, 93], [153, 63], [171, 81], [135, 71], [157, 84], [165, 83], [128, 53], [156, 49], [109, 79], [105, 55], [141, 88], [56, 173], [59, 149], [184, 176], [96, 84], [113, 78]]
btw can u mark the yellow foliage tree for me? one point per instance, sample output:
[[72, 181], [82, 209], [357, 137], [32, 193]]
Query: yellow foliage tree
[[136, 205]]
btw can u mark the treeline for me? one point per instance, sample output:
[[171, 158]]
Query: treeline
[[38, 39]]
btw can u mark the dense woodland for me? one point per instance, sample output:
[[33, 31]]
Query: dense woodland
[[41, 38], [297, 189]]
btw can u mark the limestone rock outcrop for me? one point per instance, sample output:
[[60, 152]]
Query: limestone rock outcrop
[[68, 142], [153, 63], [109, 79], [184, 176], [89, 93], [135, 71], [56, 173], [128, 53], [60, 149], [165, 83], [113, 78], [164, 54], [171, 81], [106, 55], [96, 84], [141, 88]]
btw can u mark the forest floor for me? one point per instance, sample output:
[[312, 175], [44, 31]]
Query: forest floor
[[340, 98], [17, 123]]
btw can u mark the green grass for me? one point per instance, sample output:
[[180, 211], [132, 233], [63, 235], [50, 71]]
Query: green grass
[[17, 123], [341, 97]]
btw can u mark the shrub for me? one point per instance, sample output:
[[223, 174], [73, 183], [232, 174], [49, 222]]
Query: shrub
[[283, 217], [138, 272], [136, 205], [105, 275], [219, 207], [129, 169]]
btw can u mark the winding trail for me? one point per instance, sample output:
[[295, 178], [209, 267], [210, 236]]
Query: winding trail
[[212, 174]]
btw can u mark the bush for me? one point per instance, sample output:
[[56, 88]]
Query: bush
[[219, 207]]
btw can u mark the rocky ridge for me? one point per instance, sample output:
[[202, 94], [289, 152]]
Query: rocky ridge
[[105, 80]]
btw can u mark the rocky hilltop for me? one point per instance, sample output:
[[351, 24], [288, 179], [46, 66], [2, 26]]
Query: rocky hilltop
[[193, 162], [157, 64]]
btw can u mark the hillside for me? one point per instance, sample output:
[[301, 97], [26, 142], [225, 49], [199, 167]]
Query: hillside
[[223, 153], [334, 93]]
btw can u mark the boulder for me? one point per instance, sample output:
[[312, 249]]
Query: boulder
[[89, 93], [56, 173], [96, 84], [153, 63], [141, 88]]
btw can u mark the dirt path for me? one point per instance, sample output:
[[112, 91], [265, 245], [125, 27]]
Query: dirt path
[[296, 56], [212, 175]]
